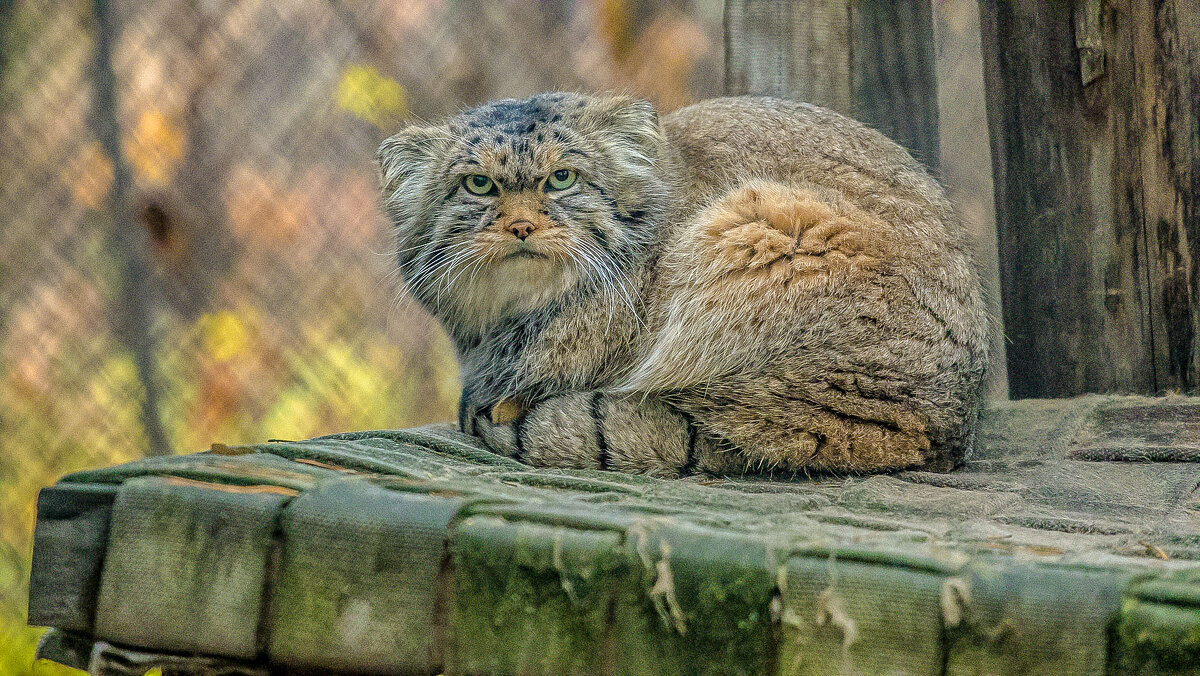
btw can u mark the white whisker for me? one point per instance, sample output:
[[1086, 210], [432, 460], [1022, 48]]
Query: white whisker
[[603, 264]]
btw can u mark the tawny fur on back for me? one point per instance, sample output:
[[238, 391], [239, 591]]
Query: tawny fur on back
[[791, 286]]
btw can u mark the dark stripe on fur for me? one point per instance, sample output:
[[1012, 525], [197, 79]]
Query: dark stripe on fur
[[598, 419], [633, 219], [598, 234], [689, 464], [518, 427], [463, 410]]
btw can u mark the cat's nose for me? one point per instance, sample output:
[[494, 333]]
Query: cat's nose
[[521, 229]]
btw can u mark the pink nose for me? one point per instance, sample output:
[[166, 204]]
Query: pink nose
[[521, 229]]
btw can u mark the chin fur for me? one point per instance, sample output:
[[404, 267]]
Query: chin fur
[[521, 282]]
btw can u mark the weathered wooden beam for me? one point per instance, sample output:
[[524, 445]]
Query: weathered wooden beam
[[870, 60], [1094, 114]]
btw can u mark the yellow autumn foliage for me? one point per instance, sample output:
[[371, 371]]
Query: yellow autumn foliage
[[370, 95], [224, 335], [154, 147]]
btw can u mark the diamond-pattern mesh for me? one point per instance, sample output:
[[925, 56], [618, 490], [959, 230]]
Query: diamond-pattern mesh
[[269, 306], [253, 272]]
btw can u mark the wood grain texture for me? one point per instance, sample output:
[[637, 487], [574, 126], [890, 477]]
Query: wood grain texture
[[69, 545], [791, 50], [892, 74], [1097, 191], [870, 60]]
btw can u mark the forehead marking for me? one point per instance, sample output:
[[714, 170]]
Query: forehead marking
[[510, 116]]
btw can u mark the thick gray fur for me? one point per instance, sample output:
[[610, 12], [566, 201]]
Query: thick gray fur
[[745, 284]]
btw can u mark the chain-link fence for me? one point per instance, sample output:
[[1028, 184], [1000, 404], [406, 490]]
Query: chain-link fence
[[190, 242]]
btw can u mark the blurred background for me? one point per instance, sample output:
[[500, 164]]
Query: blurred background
[[190, 243]]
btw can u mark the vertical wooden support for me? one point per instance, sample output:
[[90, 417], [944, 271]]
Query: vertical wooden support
[[1094, 114], [870, 60]]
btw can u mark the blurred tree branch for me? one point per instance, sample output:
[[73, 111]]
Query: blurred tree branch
[[128, 240]]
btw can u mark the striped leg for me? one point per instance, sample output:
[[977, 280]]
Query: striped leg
[[637, 434]]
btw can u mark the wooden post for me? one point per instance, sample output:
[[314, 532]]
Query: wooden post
[[870, 60], [1094, 113]]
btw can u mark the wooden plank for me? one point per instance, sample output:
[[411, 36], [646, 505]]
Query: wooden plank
[[1046, 280], [791, 50], [892, 73], [69, 545], [1094, 111], [871, 61], [187, 567], [966, 168], [1165, 39]]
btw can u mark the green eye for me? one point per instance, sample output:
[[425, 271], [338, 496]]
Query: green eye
[[478, 184], [561, 179]]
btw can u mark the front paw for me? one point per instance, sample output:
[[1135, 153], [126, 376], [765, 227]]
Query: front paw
[[497, 432]]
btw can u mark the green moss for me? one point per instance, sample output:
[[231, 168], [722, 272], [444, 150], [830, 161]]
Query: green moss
[[714, 615], [530, 598], [1154, 638], [542, 599]]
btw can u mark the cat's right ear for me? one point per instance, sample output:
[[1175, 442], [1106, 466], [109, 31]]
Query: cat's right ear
[[407, 154]]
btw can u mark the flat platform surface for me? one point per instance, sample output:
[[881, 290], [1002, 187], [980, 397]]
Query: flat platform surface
[[1068, 544]]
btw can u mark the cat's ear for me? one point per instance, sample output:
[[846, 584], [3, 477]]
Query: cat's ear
[[629, 117], [408, 153]]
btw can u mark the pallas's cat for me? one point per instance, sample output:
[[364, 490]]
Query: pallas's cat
[[744, 284]]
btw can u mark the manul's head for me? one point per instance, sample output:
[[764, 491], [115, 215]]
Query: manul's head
[[508, 206]]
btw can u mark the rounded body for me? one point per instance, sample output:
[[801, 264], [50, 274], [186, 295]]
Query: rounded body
[[748, 283]]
